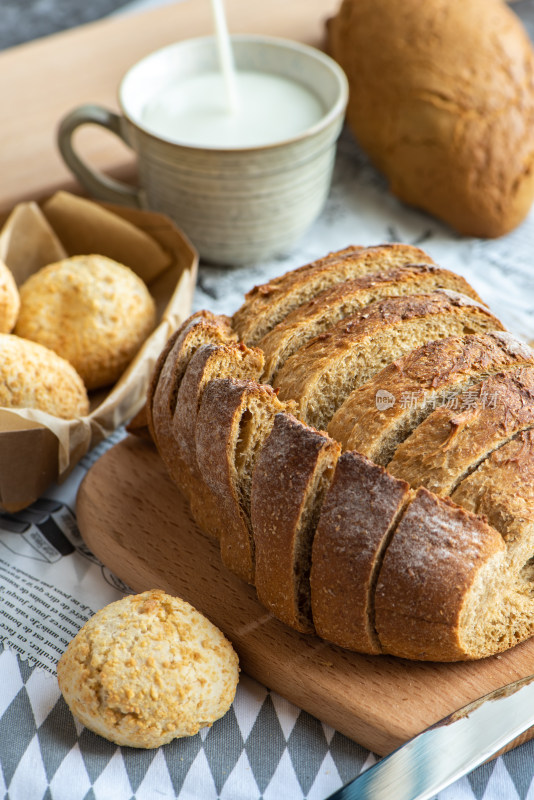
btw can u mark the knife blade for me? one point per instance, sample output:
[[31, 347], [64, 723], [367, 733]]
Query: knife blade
[[451, 748]]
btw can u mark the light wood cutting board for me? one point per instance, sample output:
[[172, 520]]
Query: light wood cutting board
[[133, 518]]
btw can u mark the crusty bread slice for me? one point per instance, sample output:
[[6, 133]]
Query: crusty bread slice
[[359, 514], [453, 441], [338, 302], [154, 379], [198, 329], [440, 577], [378, 416], [209, 362], [502, 489], [292, 474], [234, 419], [266, 305], [322, 374]]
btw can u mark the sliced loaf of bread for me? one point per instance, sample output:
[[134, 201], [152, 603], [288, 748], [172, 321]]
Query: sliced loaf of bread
[[292, 474], [338, 302], [322, 374], [266, 305], [378, 416], [234, 419], [453, 441], [359, 514], [394, 569]]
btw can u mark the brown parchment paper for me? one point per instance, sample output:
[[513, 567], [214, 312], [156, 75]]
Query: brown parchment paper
[[37, 448]]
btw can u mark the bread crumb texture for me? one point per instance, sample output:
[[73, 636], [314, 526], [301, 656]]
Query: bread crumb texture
[[92, 311], [147, 669], [32, 376]]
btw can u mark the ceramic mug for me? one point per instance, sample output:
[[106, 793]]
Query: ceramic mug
[[237, 205]]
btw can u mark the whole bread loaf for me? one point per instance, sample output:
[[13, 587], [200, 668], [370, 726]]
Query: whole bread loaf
[[417, 539], [441, 97]]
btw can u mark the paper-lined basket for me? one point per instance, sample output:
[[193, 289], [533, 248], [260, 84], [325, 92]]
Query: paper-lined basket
[[37, 448]]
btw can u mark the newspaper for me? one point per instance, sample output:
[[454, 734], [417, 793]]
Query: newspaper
[[50, 583]]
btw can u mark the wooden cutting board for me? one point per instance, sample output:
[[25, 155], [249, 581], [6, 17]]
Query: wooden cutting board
[[133, 518]]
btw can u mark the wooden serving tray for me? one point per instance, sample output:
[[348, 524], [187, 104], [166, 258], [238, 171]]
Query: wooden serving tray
[[134, 519]]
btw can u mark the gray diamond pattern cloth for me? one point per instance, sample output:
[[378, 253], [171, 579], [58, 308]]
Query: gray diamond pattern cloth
[[263, 749]]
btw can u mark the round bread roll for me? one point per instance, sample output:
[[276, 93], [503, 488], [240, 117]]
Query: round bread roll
[[148, 669], [91, 310], [32, 376], [9, 299]]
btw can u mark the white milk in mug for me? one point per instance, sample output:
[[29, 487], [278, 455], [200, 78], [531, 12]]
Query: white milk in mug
[[229, 107], [235, 140]]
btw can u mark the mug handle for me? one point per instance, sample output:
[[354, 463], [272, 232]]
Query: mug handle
[[97, 184]]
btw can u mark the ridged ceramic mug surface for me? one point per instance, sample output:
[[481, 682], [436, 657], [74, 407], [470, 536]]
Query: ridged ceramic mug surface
[[236, 205]]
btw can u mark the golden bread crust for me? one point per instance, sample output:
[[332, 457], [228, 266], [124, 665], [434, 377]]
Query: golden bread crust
[[428, 573], [380, 415], [441, 97], [209, 362], [92, 311], [344, 299], [234, 416], [322, 374], [266, 305], [451, 442], [199, 329]]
